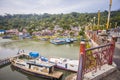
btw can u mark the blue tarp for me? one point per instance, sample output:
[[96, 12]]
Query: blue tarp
[[44, 59], [34, 54]]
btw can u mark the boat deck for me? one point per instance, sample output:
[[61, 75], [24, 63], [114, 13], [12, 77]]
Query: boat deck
[[55, 74]]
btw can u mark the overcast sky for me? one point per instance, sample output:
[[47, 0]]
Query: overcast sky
[[55, 6]]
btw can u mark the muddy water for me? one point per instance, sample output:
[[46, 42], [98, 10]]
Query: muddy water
[[9, 48]]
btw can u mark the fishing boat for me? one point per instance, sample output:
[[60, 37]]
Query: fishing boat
[[58, 41], [61, 40], [64, 63], [37, 68]]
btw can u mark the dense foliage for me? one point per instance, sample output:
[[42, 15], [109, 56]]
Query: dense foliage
[[38, 22]]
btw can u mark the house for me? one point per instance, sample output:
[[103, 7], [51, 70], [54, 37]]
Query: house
[[36, 33], [2, 31], [24, 34], [12, 32], [57, 27], [75, 28], [24, 31]]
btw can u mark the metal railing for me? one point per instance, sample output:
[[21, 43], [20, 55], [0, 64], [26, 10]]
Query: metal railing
[[93, 58], [98, 56]]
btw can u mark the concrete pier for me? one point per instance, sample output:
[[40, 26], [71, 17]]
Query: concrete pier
[[99, 75], [6, 61]]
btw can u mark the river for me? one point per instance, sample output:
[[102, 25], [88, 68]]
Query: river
[[9, 48]]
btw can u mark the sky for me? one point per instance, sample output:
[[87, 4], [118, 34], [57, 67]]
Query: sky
[[55, 6]]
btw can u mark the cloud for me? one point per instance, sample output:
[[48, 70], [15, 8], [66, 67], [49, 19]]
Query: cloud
[[66, 7], [50, 2], [54, 6]]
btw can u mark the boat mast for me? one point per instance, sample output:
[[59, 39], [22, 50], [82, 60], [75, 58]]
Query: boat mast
[[108, 20]]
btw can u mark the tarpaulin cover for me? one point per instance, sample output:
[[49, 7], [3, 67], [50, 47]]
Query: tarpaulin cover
[[44, 59], [34, 54]]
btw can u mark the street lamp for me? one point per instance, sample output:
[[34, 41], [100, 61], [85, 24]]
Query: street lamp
[[94, 19]]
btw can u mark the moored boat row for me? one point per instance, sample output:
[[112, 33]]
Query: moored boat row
[[62, 40], [64, 63]]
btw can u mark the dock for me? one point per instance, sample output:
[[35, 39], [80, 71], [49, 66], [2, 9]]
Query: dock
[[4, 62], [7, 61]]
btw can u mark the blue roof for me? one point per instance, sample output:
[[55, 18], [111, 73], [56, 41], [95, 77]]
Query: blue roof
[[2, 30]]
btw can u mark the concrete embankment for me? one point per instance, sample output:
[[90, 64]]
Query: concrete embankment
[[4, 40]]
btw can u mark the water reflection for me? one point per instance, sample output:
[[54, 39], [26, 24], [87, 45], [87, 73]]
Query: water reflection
[[28, 76], [9, 73]]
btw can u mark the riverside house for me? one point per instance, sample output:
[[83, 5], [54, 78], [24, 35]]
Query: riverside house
[[2, 31], [12, 32]]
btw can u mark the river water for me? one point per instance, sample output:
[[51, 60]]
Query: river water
[[10, 48]]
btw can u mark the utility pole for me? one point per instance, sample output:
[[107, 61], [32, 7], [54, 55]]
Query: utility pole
[[98, 19], [108, 20], [115, 24], [92, 24], [94, 20]]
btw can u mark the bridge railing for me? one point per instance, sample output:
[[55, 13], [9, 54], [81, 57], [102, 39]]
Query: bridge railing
[[93, 58], [98, 56]]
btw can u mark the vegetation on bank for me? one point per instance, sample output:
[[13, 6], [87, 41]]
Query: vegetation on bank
[[37, 22]]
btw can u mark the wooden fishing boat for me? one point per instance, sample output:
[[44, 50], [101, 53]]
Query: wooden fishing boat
[[37, 68], [64, 63]]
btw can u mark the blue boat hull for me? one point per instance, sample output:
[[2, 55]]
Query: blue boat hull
[[62, 41]]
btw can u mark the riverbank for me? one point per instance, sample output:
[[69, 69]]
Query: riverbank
[[5, 40]]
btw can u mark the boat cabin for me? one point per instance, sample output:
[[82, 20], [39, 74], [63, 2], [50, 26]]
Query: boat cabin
[[42, 67]]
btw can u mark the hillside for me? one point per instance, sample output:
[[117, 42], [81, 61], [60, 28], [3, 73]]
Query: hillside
[[41, 21]]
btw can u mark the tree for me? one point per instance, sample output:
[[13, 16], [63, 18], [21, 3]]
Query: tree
[[46, 20], [82, 32]]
